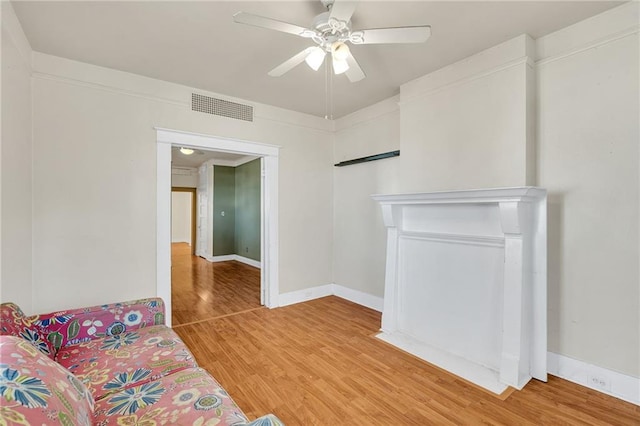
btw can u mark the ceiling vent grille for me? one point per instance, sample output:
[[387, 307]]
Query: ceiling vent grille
[[184, 171], [221, 107]]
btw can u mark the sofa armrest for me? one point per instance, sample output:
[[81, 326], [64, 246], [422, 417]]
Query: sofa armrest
[[13, 322], [70, 327], [268, 420]]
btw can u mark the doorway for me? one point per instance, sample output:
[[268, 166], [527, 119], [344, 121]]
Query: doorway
[[166, 139], [223, 277], [183, 216]]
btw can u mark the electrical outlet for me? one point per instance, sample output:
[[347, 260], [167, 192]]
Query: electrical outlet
[[246, 249], [600, 382]]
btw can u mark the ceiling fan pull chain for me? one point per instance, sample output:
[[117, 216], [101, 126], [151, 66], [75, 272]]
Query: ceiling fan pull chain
[[326, 90], [330, 90]]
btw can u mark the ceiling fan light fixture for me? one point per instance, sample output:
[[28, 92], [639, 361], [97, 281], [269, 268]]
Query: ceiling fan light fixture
[[315, 58], [340, 51], [339, 66], [186, 151]]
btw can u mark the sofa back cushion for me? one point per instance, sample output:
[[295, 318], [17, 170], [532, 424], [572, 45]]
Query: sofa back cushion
[[14, 323], [36, 390]]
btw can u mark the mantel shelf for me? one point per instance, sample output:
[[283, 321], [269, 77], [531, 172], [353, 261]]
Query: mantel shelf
[[493, 195]]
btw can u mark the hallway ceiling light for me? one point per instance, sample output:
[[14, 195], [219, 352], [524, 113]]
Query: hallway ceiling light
[[186, 151]]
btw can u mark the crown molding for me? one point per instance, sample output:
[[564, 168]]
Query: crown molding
[[12, 25], [49, 67]]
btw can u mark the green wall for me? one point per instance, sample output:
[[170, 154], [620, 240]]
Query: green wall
[[248, 210], [224, 200], [236, 191]]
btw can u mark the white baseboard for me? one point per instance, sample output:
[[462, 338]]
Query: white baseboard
[[248, 261], [597, 378], [225, 258], [359, 297], [355, 296], [305, 295], [236, 257]]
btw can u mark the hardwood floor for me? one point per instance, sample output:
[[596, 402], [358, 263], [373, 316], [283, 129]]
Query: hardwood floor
[[316, 363], [201, 290]]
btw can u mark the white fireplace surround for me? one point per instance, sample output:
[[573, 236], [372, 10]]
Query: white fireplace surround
[[466, 282]]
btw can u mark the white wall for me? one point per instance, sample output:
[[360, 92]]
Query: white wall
[[16, 160], [95, 238], [181, 217], [184, 178], [588, 126], [473, 124], [465, 126], [359, 236]]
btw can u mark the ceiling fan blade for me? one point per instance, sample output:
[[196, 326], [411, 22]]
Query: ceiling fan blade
[[354, 73], [290, 63], [395, 35], [271, 24], [343, 10]]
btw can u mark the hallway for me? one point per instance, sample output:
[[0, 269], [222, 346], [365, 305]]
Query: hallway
[[202, 290]]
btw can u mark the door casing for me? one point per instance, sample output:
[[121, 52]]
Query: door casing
[[166, 138]]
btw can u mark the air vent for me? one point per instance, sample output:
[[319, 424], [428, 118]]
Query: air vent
[[184, 171], [221, 107]]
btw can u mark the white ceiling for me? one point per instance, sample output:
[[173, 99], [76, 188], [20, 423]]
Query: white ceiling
[[198, 44], [196, 159]]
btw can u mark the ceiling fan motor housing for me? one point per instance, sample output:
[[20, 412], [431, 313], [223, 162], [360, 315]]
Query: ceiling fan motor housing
[[329, 31]]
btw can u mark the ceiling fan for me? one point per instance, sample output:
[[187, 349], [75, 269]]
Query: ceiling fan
[[331, 31]]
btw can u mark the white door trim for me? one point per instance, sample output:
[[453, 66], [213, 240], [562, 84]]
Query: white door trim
[[269, 232]]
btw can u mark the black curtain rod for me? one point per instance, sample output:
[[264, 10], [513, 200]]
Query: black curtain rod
[[369, 158]]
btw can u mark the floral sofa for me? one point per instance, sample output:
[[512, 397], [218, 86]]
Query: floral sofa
[[112, 364]]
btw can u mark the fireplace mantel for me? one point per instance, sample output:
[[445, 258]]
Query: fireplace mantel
[[465, 283]]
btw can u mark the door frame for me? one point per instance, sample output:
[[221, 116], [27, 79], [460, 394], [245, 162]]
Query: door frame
[[165, 139], [193, 213]]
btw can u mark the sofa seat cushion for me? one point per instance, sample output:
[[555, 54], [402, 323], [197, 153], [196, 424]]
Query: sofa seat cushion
[[125, 360], [35, 390], [189, 397]]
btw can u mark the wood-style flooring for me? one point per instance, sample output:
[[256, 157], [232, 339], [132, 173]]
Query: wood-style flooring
[[316, 363], [201, 290]]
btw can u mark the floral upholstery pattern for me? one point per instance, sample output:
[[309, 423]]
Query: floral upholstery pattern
[[53, 331], [66, 328], [188, 397], [36, 390], [119, 357], [14, 323], [125, 360]]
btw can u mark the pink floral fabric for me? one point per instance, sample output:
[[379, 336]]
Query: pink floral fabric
[[121, 355], [53, 331], [14, 323], [190, 397], [121, 361], [36, 390], [71, 327]]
